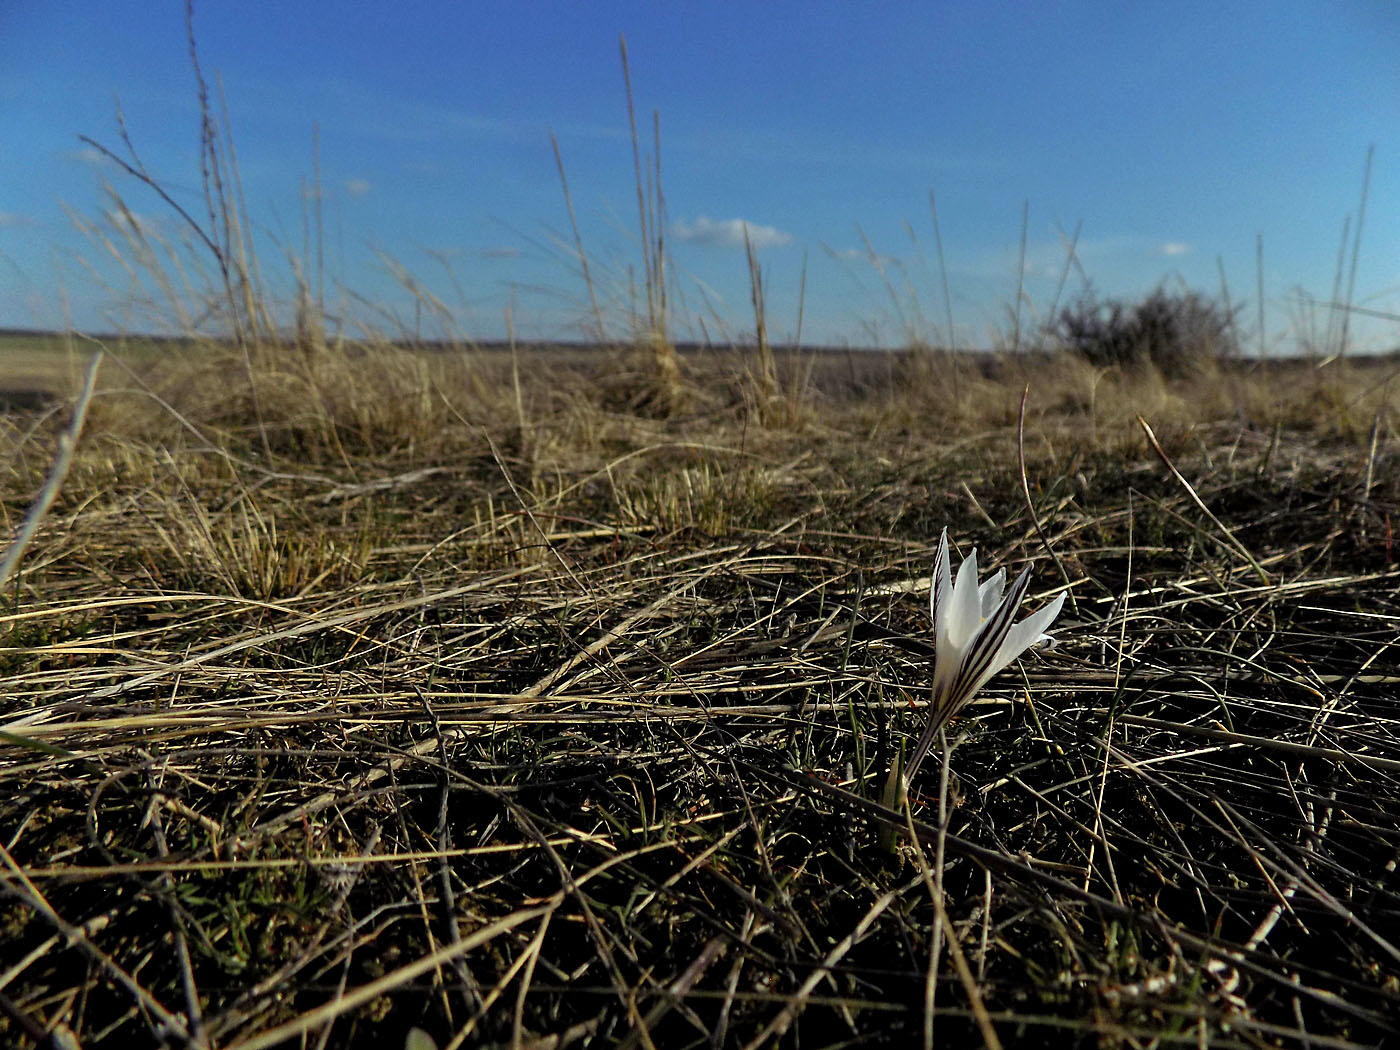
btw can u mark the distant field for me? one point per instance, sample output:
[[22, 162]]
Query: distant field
[[37, 368], [50, 365]]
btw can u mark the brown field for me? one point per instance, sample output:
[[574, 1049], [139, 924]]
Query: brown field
[[347, 691]]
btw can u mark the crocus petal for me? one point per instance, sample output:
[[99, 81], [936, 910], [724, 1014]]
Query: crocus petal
[[991, 591], [942, 584], [964, 605], [982, 650], [946, 652], [1024, 635]]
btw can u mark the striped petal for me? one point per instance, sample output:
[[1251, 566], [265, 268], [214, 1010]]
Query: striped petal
[[941, 584], [978, 657], [1029, 632], [946, 651]]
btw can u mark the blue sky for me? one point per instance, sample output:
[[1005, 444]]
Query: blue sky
[[1173, 132]]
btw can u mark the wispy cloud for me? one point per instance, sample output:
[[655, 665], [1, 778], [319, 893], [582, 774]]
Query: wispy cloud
[[133, 222], [864, 255], [369, 110], [358, 187], [1047, 258], [89, 155], [11, 221], [729, 233]]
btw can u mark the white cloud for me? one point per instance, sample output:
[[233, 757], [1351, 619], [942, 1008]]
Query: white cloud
[[358, 187], [89, 155], [729, 233], [1174, 248], [862, 255], [133, 222]]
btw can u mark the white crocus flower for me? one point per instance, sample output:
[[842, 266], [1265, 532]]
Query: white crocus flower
[[974, 636]]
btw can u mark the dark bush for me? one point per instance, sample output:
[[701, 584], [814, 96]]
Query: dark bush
[[1178, 332]]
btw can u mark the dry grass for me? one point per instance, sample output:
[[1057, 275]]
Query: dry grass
[[445, 696]]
